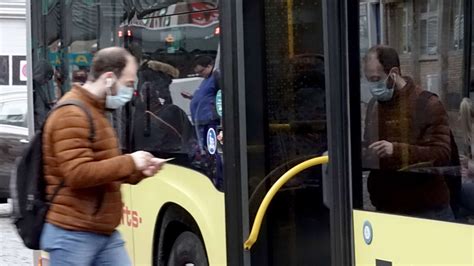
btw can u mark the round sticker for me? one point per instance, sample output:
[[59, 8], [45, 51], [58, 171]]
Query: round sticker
[[211, 141], [367, 232], [219, 103]]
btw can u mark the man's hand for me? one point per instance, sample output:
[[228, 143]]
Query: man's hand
[[220, 137], [382, 148], [141, 159], [155, 165], [147, 163]]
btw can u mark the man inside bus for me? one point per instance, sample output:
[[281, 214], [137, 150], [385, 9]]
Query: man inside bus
[[86, 173], [42, 74], [401, 133], [203, 108]]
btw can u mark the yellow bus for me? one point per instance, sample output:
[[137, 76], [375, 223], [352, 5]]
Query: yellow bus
[[251, 185]]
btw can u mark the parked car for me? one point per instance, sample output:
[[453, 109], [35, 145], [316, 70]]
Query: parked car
[[13, 135]]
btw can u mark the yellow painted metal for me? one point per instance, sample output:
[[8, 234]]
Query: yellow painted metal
[[407, 241], [190, 190], [271, 193]]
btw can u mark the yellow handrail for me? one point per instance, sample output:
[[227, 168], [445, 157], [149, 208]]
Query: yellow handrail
[[273, 190]]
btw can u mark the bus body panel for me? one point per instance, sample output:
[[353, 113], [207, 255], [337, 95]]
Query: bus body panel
[[127, 231], [407, 241], [186, 188]]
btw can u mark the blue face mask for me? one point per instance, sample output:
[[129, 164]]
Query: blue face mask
[[379, 90], [123, 96]]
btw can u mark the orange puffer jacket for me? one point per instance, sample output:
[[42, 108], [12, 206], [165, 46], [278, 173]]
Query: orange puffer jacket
[[93, 171]]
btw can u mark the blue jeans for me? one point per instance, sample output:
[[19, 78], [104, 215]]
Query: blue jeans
[[82, 248]]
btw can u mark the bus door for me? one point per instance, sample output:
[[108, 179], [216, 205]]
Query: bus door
[[411, 201], [285, 123], [167, 39]]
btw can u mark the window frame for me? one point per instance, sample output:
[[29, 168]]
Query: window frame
[[458, 43]]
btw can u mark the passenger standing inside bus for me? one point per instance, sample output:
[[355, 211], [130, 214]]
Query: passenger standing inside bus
[[87, 173], [204, 113], [404, 127], [42, 74], [467, 162], [203, 102]]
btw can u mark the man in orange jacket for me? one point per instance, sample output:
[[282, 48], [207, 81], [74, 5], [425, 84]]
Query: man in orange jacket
[[80, 225]]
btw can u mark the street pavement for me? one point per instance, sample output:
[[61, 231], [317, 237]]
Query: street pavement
[[12, 250]]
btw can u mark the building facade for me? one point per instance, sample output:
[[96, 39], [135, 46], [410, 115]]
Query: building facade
[[12, 45]]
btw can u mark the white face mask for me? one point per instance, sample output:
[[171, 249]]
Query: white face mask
[[123, 96]]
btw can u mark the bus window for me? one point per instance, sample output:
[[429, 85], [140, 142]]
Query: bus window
[[411, 89], [65, 35], [174, 113]]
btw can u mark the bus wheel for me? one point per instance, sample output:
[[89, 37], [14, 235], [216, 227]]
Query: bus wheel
[[187, 250]]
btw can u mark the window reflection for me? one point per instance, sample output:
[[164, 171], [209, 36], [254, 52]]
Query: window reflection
[[412, 136], [174, 113], [405, 129], [165, 37]]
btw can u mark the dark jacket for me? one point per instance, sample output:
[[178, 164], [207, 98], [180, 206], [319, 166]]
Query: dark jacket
[[203, 104], [90, 199], [420, 134]]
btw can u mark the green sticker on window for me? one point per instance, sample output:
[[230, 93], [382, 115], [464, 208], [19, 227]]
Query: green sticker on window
[[219, 103]]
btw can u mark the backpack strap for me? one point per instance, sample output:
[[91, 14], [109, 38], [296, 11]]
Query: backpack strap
[[81, 105]]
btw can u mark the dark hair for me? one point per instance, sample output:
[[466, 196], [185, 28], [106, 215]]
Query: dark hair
[[113, 59], [387, 56], [202, 60], [136, 50]]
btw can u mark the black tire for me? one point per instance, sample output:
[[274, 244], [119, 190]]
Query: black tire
[[188, 249]]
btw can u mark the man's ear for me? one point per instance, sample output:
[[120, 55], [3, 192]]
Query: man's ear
[[108, 82], [397, 70], [109, 78]]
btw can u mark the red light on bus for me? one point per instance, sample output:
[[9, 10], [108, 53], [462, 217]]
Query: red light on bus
[[217, 31], [129, 33], [120, 34]]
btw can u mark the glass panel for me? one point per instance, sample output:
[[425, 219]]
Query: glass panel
[[175, 102], [432, 34], [290, 129], [363, 28], [433, 5], [153, 8], [458, 25], [424, 36], [412, 138], [403, 27], [423, 4], [64, 38], [174, 112], [14, 113]]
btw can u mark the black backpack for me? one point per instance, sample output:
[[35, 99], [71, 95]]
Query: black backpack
[[28, 185]]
